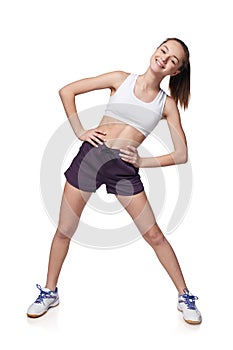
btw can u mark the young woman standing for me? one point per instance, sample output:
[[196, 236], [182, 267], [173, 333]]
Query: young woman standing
[[108, 155]]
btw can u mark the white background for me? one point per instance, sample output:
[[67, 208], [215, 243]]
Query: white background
[[120, 298]]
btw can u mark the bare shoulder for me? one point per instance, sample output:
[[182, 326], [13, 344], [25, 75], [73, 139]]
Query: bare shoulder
[[114, 77], [118, 77], [170, 109], [111, 80]]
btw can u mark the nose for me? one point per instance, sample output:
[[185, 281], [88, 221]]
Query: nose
[[164, 58]]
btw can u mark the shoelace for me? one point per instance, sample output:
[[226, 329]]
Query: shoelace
[[43, 295], [189, 300]]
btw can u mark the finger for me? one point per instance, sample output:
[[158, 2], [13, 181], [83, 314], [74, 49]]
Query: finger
[[123, 155], [101, 138], [129, 158], [101, 132], [126, 160], [97, 140], [96, 134], [125, 151], [132, 148], [92, 142]]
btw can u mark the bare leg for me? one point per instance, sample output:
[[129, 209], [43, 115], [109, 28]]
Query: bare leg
[[72, 205], [140, 210]]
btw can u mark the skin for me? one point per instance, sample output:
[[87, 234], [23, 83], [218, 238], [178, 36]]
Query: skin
[[166, 60]]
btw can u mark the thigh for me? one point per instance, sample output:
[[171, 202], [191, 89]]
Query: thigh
[[83, 170], [138, 207], [72, 205]]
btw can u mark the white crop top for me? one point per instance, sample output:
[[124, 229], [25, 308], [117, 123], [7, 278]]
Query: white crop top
[[126, 107]]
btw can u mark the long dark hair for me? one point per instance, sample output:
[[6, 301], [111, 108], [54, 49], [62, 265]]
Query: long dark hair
[[179, 84]]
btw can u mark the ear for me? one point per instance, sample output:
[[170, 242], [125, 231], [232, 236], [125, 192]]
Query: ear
[[177, 72]]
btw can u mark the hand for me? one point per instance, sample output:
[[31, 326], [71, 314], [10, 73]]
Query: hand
[[94, 136], [130, 155]]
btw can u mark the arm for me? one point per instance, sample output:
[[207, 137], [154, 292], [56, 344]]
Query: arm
[[67, 94], [180, 153]]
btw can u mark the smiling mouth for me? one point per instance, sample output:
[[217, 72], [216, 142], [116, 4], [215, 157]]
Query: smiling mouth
[[159, 63]]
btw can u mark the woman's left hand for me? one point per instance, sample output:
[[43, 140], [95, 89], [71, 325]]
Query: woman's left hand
[[130, 155]]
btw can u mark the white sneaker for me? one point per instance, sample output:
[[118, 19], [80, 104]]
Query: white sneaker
[[186, 304], [45, 301]]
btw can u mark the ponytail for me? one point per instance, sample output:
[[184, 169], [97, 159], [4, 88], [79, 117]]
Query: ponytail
[[179, 84]]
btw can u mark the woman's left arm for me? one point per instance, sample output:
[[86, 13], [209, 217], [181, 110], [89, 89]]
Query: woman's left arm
[[180, 153]]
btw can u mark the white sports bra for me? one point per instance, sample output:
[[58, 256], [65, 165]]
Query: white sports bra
[[126, 107]]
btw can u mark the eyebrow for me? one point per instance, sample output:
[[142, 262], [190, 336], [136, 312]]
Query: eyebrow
[[173, 55]]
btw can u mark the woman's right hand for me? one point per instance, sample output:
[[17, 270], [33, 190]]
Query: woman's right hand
[[94, 136]]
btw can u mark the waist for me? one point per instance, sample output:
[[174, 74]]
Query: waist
[[119, 134]]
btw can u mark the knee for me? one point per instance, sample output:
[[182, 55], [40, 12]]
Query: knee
[[66, 228], [63, 234], [154, 236]]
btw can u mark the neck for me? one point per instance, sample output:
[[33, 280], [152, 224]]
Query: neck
[[151, 80]]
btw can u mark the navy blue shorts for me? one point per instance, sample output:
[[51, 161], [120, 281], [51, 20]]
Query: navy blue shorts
[[95, 166]]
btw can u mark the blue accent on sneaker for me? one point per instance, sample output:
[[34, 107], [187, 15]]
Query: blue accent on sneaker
[[44, 294], [189, 300]]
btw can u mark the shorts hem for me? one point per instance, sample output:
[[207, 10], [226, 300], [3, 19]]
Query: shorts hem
[[126, 195], [78, 187]]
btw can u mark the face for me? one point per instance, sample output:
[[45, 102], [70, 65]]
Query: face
[[168, 58]]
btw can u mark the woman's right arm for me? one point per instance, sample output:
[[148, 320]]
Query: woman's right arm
[[67, 94]]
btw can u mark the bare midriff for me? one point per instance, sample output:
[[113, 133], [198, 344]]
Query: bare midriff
[[119, 134]]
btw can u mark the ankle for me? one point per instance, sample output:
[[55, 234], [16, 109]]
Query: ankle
[[51, 287], [183, 291]]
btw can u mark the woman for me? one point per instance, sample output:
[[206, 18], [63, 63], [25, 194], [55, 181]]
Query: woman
[[108, 155]]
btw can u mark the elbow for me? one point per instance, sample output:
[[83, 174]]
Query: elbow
[[62, 91], [181, 157], [66, 95], [66, 91]]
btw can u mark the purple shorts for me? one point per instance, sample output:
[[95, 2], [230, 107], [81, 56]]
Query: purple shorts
[[95, 166]]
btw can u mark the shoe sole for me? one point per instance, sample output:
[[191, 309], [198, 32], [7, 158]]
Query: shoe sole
[[190, 321], [37, 316]]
